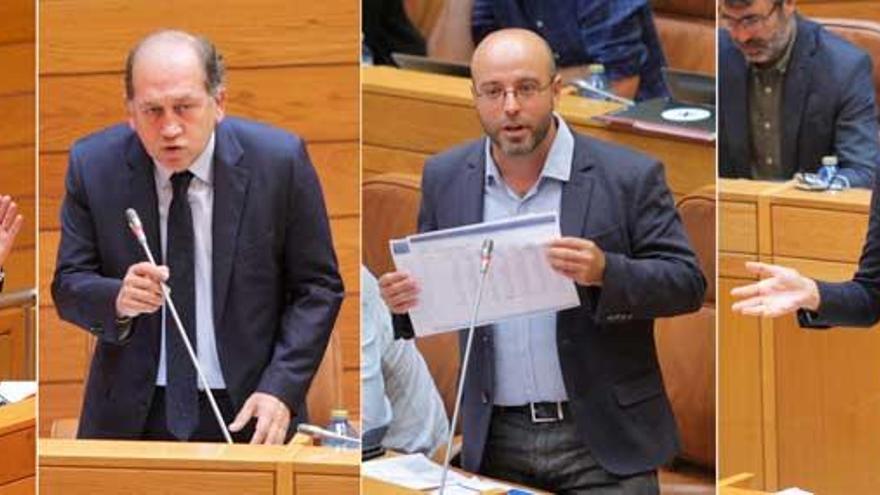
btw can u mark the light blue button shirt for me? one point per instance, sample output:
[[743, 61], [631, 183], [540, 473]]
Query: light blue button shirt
[[201, 203], [397, 387], [526, 357]]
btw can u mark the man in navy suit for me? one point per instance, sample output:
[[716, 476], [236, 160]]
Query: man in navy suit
[[233, 211], [572, 400], [790, 93]]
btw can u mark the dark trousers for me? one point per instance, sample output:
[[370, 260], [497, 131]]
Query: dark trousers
[[552, 457], [207, 431]]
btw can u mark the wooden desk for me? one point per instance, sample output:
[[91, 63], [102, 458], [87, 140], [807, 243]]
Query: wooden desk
[[129, 467], [409, 115], [798, 407], [17, 434]]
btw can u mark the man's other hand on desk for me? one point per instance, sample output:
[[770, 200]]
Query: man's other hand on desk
[[399, 291], [273, 418], [781, 291]]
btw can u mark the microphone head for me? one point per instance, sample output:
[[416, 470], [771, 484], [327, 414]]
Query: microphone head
[[486, 255], [134, 223]]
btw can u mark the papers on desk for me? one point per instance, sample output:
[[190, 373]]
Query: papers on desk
[[417, 472], [11, 392], [446, 264]]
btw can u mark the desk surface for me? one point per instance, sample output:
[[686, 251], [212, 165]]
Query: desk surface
[[17, 416], [120, 453]]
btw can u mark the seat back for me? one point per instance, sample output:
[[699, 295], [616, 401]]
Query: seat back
[[686, 343], [687, 32], [863, 34], [390, 205]]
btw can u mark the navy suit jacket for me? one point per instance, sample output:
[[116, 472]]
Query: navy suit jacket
[[618, 199], [827, 107], [276, 287]]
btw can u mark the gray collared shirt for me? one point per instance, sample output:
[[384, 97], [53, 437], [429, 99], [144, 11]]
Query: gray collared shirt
[[765, 115], [201, 202], [526, 357]]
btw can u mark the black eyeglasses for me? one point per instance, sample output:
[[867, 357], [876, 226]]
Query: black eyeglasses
[[522, 91], [748, 22]]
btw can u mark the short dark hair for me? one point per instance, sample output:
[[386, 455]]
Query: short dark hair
[[212, 60]]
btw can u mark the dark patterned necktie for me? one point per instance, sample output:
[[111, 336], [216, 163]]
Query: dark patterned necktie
[[181, 393]]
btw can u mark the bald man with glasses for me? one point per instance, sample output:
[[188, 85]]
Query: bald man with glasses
[[571, 401]]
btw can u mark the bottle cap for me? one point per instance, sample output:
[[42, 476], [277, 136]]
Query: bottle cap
[[596, 69], [339, 413], [829, 161]]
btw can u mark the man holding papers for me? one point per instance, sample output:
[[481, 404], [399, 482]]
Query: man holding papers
[[569, 400]]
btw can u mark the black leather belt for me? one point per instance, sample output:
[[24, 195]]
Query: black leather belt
[[538, 412]]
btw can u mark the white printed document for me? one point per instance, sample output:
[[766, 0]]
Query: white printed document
[[520, 281]]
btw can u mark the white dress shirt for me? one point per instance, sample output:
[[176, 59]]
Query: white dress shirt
[[201, 203]]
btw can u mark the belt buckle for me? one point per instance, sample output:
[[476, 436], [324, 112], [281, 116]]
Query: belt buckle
[[559, 415]]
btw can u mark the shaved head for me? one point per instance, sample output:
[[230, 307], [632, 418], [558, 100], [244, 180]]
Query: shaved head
[[512, 45]]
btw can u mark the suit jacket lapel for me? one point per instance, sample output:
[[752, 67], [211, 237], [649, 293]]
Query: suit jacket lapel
[[142, 194], [231, 179], [794, 95], [576, 193], [473, 182]]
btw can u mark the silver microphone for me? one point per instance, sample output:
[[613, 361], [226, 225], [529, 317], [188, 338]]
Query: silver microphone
[[486, 255], [137, 228], [485, 259]]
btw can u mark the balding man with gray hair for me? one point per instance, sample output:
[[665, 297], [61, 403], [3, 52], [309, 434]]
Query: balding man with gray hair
[[571, 401], [233, 211]]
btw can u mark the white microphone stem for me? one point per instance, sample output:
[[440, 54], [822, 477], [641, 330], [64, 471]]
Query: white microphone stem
[[463, 375], [192, 355]]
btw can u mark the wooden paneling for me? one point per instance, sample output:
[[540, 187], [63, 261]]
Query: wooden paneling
[[316, 484], [17, 445], [18, 455], [85, 481], [809, 415], [58, 400], [739, 384], [320, 106], [801, 228], [17, 170], [868, 10], [13, 346], [18, 60], [259, 33], [292, 65], [18, 23], [740, 222]]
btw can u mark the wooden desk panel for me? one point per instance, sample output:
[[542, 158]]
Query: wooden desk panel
[[820, 390], [78, 466], [17, 442], [740, 429]]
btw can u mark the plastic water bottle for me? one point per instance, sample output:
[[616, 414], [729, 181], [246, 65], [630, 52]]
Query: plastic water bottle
[[829, 168], [339, 424], [598, 80]]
